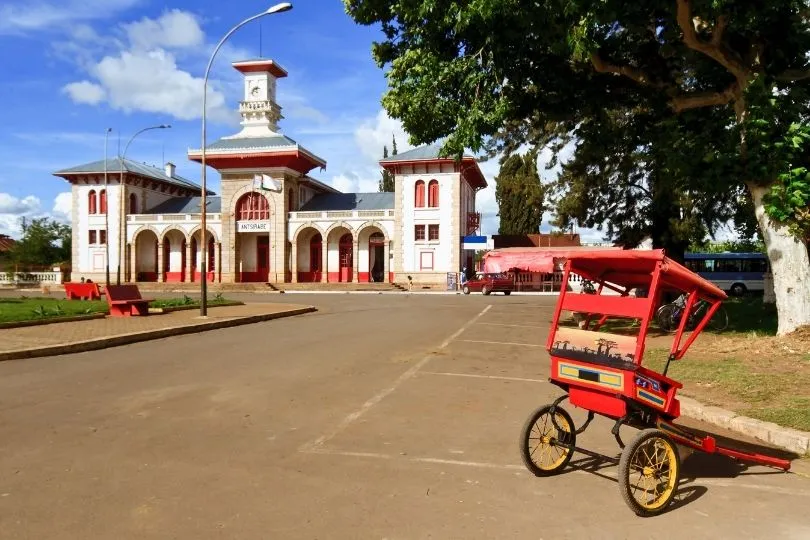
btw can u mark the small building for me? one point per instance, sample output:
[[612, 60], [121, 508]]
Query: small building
[[272, 222]]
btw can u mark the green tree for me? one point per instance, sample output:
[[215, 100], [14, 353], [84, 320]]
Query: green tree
[[628, 177], [519, 194], [473, 71], [44, 242], [387, 181]]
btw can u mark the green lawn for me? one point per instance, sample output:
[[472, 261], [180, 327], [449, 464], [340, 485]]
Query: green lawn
[[185, 300], [32, 309], [26, 309], [749, 315], [772, 388]]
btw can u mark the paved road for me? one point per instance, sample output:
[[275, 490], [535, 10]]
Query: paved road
[[380, 416]]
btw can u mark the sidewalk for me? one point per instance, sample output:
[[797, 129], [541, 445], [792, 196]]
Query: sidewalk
[[79, 336]]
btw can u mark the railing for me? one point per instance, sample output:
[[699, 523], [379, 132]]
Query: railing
[[341, 214], [30, 278], [153, 218]]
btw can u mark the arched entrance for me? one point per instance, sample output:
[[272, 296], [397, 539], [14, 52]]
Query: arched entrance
[[371, 252], [252, 214], [309, 255], [316, 256], [174, 256], [340, 255], [146, 256], [376, 263], [196, 257], [346, 255]]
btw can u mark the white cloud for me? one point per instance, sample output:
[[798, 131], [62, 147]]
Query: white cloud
[[10, 204], [175, 29], [356, 183], [85, 92], [152, 82], [33, 15], [63, 207], [377, 132], [13, 209], [142, 73]]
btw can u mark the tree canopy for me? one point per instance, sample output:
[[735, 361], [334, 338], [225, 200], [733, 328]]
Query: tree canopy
[[44, 242], [519, 195], [730, 79]]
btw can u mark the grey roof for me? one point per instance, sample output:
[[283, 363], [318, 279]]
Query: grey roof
[[255, 144], [186, 205], [252, 143], [349, 201], [430, 151], [142, 169]]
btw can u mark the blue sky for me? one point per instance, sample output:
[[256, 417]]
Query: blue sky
[[73, 68]]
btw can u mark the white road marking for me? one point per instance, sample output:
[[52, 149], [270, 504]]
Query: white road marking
[[497, 377], [499, 342], [323, 439], [711, 482]]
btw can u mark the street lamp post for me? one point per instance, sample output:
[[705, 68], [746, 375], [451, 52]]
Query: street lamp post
[[278, 8], [106, 215], [121, 201]]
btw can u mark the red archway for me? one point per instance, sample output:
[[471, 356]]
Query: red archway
[[345, 258], [315, 256], [376, 257]]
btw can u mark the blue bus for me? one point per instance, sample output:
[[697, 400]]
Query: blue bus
[[736, 273]]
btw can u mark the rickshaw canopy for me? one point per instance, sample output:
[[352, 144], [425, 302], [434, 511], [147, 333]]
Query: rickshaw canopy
[[635, 269]]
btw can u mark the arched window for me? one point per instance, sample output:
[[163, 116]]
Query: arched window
[[103, 201], [133, 203], [91, 202], [433, 193], [419, 195], [252, 206]]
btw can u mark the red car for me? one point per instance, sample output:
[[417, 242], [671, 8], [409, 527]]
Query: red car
[[489, 283]]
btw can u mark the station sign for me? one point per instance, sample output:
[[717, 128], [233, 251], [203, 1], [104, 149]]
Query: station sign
[[252, 226]]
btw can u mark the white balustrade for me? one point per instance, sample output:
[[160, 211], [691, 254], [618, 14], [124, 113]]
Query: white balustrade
[[30, 278], [340, 214]]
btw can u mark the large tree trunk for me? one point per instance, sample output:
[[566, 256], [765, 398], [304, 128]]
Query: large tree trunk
[[790, 266]]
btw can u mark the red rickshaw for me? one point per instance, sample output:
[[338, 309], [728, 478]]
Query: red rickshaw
[[602, 373]]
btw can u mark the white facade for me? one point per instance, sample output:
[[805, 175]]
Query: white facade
[[301, 230]]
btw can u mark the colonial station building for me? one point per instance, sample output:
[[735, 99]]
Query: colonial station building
[[272, 222]]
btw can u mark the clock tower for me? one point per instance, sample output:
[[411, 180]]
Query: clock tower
[[259, 110]]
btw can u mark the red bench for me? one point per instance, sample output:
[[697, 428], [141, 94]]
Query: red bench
[[81, 291], [125, 300]]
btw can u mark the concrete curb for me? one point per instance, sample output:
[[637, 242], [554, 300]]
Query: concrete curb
[[789, 439], [135, 337]]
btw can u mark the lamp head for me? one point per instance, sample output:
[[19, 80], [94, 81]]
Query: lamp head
[[164, 126], [278, 8]]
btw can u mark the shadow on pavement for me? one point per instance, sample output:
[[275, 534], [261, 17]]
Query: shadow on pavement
[[695, 465]]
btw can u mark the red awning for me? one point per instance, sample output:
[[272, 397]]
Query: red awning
[[626, 268], [529, 259]]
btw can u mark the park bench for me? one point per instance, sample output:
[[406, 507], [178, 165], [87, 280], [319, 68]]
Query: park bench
[[125, 300], [89, 291]]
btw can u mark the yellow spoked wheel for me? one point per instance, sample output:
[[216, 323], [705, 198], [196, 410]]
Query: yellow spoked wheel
[[649, 471], [545, 448]]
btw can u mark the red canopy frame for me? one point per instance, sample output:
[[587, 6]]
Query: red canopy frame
[[623, 271]]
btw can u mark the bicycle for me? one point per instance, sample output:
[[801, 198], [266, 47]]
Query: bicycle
[[669, 316]]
